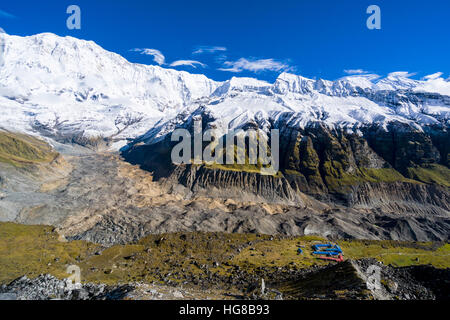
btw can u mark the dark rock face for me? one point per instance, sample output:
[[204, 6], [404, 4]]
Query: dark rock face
[[403, 146], [440, 139]]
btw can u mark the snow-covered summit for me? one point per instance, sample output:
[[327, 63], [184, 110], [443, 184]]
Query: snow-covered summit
[[67, 86]]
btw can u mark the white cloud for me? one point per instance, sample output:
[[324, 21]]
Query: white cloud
[[401, 74], [366, 76], [191, 63], [208, 49], [438, 85], [158, 57], [355, 71], [433, 76], [255, 65]]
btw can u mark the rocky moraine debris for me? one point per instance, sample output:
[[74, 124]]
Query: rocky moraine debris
[[47, 287]]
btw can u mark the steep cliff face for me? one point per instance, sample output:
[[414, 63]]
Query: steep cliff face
[[404, 146], [400, 197], [236, 184]]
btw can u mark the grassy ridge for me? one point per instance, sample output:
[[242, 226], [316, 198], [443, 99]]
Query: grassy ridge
[[433, 173], [33, 250], [20, 150]]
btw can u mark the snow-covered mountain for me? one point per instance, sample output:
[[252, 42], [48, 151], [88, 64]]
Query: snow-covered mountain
[[71, 85], [64, 86]]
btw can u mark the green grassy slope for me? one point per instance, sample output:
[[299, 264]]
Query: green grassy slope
[[20, 150]]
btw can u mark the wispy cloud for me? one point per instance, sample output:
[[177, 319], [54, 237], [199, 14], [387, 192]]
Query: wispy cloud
[[191, 63], [208, 49], [255, 65], [356, 71], [401, 74], [221, 58], [4, 14], [433, 76], [158, 57]]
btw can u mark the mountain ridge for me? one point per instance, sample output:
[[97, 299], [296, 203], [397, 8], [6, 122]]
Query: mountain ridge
[[65, 88]]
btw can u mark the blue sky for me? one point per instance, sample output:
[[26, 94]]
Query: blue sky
[[314, 38]]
